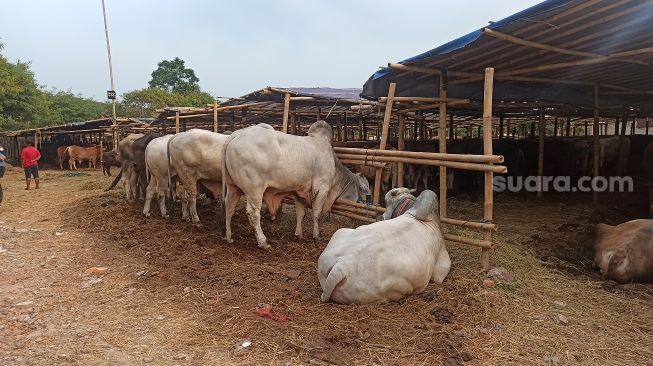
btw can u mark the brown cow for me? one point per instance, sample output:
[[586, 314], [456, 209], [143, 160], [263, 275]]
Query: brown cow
[[80, 154], [624, 253], [62, 154]]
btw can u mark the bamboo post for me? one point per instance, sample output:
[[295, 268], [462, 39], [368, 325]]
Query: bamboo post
[[508, 126], [339, 126], [442, 136], [647, 122], [487, 150], [568, 127], [215, 116], [632, 126], [177, 122], [586, 129], [555, 127], [286, 110], [384, 139], [293, 125], [595, 170], [540, 154], [501, 126], [401, 144]]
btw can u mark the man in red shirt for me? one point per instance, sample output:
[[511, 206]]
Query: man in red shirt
[[30, 156]]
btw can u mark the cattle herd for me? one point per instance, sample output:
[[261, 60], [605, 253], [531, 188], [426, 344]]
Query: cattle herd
[[382, 261]]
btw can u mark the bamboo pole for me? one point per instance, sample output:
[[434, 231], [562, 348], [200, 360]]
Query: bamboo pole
[[177, 122], [286, 110], [470, 158], [384, 138], [366, 160], [595, 170], [353, 216], [424, 99], [215, 116], [568, 127], [484, 244], [442, 137], [488, 199], [362, 162], [540, 153], [401, 145]]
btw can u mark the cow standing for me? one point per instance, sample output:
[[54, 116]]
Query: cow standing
[[157, 167], [78, 154], [386, 260], [196, 157], [62, 155], [127, 170], [109, 159], [267, 165]]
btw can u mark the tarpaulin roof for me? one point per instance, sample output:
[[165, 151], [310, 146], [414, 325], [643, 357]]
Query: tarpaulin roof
[[324, 93], [553, 52]]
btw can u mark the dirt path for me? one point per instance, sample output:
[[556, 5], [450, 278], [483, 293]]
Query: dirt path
[[176, 294]]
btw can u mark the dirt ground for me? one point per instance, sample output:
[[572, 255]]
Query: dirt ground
[[175, 294]]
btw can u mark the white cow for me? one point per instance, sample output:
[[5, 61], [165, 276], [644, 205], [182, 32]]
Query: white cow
[[267, 165], [386, 260], [156, 164], [196, 156]]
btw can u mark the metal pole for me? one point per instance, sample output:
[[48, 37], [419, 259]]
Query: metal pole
[[113, 87]]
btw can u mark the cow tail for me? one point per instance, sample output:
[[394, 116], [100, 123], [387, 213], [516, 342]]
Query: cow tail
[[335, 276], [115, 181], [225, 171]]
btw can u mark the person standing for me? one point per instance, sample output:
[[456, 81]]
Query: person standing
[[30, 156]]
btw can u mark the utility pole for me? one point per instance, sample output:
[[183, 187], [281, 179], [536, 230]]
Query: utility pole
[[111, 94]]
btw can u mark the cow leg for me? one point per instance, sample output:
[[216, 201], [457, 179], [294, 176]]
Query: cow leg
[[317, 205], [162, 191], [254, 203], [300, 211], [231, 201], [192, 203], [133, 185], [151, 191]]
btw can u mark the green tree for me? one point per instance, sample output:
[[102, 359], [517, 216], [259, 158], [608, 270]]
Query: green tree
[[144, 102], [173, 76], [75, 108]]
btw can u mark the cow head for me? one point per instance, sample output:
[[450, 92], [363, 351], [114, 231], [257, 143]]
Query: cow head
[[397, 201], [363, 186]]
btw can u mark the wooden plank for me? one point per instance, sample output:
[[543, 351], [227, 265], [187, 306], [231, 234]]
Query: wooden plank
[[177, 122], [401, 145], [215, 116], [286, 110], [384, 139], [488, 198]]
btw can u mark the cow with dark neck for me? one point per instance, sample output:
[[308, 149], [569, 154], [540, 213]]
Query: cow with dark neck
[[267, 165]]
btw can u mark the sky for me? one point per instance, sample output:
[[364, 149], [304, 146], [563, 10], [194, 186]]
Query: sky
[[235, 47]]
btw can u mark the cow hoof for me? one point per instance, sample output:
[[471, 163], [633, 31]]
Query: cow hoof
[[147, 214], [167, 217], [265, 246], [197, 224], [299, 236], [228, 240]]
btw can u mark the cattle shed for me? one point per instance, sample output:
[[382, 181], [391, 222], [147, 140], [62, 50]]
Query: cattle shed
[[86, 133]]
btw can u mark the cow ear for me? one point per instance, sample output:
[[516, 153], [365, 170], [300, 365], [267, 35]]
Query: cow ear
[[600, 232], [394, 192]]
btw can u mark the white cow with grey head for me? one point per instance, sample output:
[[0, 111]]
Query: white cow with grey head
[[267, 165], [386, 260]]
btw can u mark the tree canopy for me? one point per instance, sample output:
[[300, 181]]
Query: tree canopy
[[143, 102], [174, 76]]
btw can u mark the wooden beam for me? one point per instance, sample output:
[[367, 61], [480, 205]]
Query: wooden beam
[[177, 122], [215, 116], [401, 145], [542, 46], [488, 198], [540, 153], [286, 110], [384, 139]]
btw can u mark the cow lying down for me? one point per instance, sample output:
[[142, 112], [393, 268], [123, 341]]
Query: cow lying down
[[624, 253], [386, 260]]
